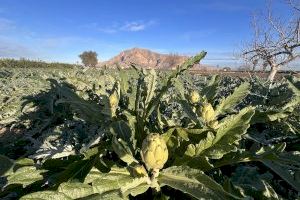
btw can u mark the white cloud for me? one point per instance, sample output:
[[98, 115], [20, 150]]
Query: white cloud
[[137, 26], [17, 42], [132, 26]]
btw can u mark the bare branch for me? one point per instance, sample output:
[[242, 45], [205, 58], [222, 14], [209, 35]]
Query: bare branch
[[294, 5], [276, 41]]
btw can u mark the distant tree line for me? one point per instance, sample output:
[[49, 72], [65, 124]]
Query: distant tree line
[[26, 63], [89, 58]]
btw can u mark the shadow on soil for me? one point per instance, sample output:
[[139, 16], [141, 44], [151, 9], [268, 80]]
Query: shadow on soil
[[56, 118]]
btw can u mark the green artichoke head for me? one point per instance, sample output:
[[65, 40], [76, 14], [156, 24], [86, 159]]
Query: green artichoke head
[[113, 100], [194, 97], [113, 103], [154, 151], [213, 124], [208, 113]]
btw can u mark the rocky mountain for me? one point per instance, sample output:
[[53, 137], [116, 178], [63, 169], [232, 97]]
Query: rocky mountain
[[149, 59], [145, 58]]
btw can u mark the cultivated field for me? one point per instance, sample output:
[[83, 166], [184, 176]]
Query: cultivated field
[[76, 133], [246, 74]]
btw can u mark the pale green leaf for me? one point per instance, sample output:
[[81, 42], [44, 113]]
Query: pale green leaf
[[193, 182], [189, 111], [135, 187], [166, 136], [119, 179], [46, 195], [140, 189], [24, 162], [293, 87], [114, 180], [211, 89], [121, 129], [200, 162], [93, 175], [197, 131], [292, 103], [111, 195], [182, 134], [150, 81], [227, 104], [75, 190], [122, 149], [124, 82], [196, 150], [179, 85], [230, 132], [25, 176], [74, 171]]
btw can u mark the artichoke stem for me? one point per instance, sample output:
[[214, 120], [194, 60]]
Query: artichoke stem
[[155, 185], [155, 173], [154, 182]]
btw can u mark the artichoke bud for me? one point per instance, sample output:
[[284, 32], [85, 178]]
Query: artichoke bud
[[194, 97], [154, 151], [98, 92], [213, 124], [113, 100], [208, 113]]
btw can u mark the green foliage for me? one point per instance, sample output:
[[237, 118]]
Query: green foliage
[[226, 105], [193, 182], [249, 182], [25, 176], [46, 195], [24, 63], [229, 133], [6, 164], [78, 144]]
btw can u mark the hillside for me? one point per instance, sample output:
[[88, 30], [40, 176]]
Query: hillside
[[145, 58]]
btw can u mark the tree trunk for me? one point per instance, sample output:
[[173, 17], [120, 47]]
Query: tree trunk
[[272, 73]]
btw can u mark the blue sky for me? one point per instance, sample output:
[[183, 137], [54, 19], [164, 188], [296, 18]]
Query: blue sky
[[59, 30]]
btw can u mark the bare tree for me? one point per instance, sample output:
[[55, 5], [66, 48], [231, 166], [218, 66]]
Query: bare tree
[[294, 4], [89, 58], [276, 42]]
